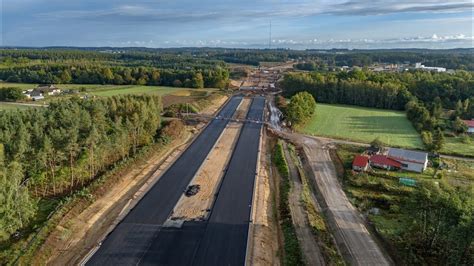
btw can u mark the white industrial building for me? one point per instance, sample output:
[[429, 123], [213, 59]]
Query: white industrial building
[[425, 68], [411, 160]]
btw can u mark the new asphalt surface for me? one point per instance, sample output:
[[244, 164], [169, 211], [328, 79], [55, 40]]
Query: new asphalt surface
[[225, 239], [222, 240], [130, 240]]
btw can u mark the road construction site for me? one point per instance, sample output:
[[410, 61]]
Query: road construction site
[[166, 228]]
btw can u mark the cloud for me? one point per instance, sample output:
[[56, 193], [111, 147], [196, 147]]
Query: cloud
[[214, 10], [378, 7]]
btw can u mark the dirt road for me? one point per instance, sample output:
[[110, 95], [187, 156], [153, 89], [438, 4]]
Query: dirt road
[[311, 252], [355, 241]]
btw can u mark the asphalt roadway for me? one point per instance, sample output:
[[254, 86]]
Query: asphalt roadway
[[128, 243], [225, 240], [222, 239]]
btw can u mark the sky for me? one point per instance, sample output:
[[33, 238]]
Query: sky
[[296, 24]]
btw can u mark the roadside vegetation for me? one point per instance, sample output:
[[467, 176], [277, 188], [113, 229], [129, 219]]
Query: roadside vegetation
[[316, 219], [23, 246], [51, 153], [429, 223], [292, 250]]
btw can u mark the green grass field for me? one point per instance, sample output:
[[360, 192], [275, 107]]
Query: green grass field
[[455, 145], [112, 90], [13, 106], [363, 125]]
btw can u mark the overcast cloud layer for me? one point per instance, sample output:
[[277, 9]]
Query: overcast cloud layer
[[295, 24]]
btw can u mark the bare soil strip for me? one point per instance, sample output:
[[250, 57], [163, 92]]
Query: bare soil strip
[[196, 207], [81, 228], [78, 232], [309, 246], [264, 243]]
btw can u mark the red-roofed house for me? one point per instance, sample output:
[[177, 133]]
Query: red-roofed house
[[385, 162], [470, 125], [360, 163]]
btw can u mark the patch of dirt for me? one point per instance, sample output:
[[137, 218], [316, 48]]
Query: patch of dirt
[[197, 206], [216, 104], [169, 99], [309, 246], [82, 227], [241, 112], [264, 233]]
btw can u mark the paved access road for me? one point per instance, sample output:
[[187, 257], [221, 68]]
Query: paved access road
[[130, 240]]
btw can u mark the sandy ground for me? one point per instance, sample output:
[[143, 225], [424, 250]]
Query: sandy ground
[[210, 110], [264, 242], [311, 251], [78, 233], [196, 207], [211, 171]]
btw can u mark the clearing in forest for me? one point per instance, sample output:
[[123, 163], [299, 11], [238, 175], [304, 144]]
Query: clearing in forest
[[363, 125]]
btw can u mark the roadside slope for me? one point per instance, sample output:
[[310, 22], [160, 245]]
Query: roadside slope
[[352, 237]]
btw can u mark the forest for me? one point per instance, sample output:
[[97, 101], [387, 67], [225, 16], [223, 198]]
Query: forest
[[90, 67], [49, 152], [425, 96]]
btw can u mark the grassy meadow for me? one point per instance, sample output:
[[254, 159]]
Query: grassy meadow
[[363, 125], [13, 106], [112, 90]]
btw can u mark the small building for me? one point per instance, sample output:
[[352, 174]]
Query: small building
[[48, 89], [371, 150], [425, 68], [470, 126], [360, 163], [415, 161], [384, 162]]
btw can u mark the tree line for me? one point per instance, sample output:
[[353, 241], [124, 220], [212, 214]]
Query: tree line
[[354, 89], [182, 58], [424, 95], [94, 74], [48, 152]]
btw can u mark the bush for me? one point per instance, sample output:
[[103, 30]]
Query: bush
[[172, 130], [11, 94], [293, 254]]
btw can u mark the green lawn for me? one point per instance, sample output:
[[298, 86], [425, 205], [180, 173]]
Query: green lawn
[[455, 145], [156, 90], [363, 125], [111, 90], [13, 106]]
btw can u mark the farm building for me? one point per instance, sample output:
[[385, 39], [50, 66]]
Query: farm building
[[411, 160], [360, 163], [48, 89], [470, 126], [385, 162]]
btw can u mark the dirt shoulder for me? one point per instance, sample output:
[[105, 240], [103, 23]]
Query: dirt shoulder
[[353, 238], [309, 246], [81, 228], [264, 238]]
